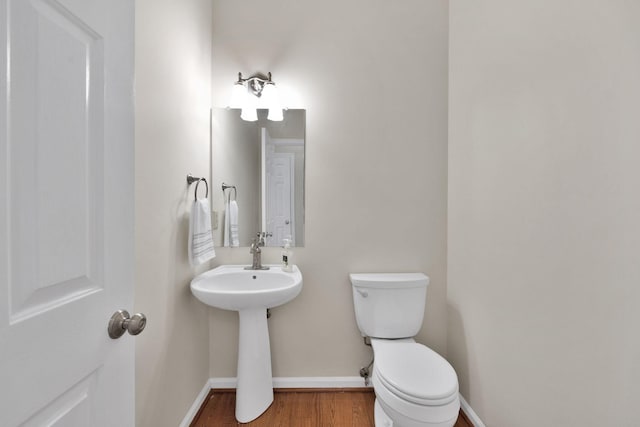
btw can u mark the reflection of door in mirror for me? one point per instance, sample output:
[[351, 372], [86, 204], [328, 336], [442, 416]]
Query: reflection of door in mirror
[[278, 193]]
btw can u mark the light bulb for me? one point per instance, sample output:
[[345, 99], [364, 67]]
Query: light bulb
[[249, 114], [275, 114], [249, 108], [238, 95], [272, 102], [267, 96]]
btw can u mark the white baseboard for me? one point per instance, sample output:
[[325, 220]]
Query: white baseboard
[[473, 417], [319, 382], [222, 382], [191, 413], [298, 382]]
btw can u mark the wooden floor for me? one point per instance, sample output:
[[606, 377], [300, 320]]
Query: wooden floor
[[299, 408]]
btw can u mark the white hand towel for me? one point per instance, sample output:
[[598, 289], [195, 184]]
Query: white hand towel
[[233, 224], [231, 236], [227, 227], [200, 237]]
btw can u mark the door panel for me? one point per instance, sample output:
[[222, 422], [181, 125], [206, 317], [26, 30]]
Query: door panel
[[279, 205], [71, 408], [66, 211], [54, 149]]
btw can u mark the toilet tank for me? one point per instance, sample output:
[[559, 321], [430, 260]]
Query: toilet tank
[[389, 305]]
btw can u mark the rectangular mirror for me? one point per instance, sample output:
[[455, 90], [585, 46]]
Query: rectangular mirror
[[264, 161]]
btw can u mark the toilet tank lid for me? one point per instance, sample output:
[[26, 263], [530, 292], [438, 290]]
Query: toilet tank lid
[[389, 280]]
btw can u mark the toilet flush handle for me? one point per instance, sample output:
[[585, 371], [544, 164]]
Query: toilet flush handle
[[363, 293]]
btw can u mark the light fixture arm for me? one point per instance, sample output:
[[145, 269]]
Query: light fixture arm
[[256, 83]]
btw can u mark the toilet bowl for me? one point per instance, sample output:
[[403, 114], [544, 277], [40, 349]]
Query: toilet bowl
[[414, 385]]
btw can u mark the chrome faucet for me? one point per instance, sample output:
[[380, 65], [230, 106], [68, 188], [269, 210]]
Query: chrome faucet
[[255, 250]]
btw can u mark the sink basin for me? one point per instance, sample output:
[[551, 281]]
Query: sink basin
[[231, 287], [250, 293]]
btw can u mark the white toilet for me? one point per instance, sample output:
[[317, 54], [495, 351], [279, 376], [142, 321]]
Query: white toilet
[[414, 385]]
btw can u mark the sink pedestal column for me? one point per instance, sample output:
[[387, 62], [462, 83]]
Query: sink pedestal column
[[254, 392]]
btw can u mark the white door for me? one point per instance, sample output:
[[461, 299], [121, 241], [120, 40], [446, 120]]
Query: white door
[[279, 197], [66, 212]]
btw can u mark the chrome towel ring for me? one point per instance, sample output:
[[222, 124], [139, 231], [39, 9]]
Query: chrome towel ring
[[191, 179], [235, 191]]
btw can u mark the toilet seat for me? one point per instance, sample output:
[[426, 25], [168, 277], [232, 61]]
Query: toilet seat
[[415, 373]]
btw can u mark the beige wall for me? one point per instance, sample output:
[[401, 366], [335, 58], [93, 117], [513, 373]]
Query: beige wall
[[543, 271], [173, 60], [373, 78]]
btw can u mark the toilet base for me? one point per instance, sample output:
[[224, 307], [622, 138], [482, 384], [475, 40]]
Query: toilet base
[[382, 419]]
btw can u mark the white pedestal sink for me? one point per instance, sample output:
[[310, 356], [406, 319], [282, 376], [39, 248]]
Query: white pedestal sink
[[250, 293]]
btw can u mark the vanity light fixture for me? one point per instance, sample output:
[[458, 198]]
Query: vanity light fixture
[[257, 91]]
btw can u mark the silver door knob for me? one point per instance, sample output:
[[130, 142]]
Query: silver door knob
[[120, 323], [286, 221]]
